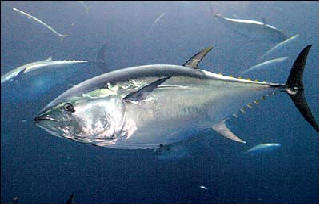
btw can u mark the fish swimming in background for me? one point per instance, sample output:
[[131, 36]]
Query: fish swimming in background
[[84, 6], [265, 65], [252, 29], [261, 148], [62, 36], [278, 48], [203, 187], [159, 104], [48, 63], [155, 22]]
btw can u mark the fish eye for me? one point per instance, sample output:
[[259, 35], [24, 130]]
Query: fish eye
[[69, 107]]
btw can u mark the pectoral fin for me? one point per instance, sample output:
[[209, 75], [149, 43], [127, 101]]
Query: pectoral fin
[[142, 93], [222, 129]]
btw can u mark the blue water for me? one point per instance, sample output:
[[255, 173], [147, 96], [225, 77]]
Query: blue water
[[37, 167]]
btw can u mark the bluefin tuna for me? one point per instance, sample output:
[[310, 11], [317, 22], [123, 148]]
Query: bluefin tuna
[[261, 148], [252, 29], [265, 65], [48, 63], [29, 16], [280, 48], [159, 104]]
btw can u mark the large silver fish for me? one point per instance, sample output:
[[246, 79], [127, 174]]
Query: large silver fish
[[48, 63], [252, 29], [154, 105]]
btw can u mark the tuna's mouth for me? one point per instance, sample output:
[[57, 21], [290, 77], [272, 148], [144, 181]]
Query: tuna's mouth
[[43, 117]]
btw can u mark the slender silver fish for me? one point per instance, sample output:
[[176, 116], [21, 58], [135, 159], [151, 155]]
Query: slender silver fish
[[252, 29], [265, 65], [278, 48], [154, 105], [263, 148], [62, 36], [48, 63], [155, 22]]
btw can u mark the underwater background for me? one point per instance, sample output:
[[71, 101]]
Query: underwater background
[[37, 167]]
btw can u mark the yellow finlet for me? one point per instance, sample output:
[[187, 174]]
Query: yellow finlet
[[240, 77], [249, 105], [255, 80], [256, 102], [242, 110], [235, 115], [220, 74]]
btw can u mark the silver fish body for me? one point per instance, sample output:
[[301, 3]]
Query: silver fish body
[[34, 66], [96, 111], [265, 65], [261, 148], [286, 47], [253, 29]]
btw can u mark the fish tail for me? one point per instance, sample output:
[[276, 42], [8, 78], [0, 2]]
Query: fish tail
[[294, 87]]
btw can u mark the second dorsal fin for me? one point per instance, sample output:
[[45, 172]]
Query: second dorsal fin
[[194, 61]]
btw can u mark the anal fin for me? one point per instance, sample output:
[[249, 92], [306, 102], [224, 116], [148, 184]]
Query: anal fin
[[222, 129]]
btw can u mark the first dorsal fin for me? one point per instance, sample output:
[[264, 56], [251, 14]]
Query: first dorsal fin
[[142, 92], [195, 60]]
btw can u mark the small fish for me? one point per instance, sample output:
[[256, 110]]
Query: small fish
[[252, 29], [203, 187], [155, 22], [265, 65], [278, 47], [48, 63], [62, 36], [263, 148]]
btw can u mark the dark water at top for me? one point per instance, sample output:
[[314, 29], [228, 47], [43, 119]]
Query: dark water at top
[[37, 167]]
